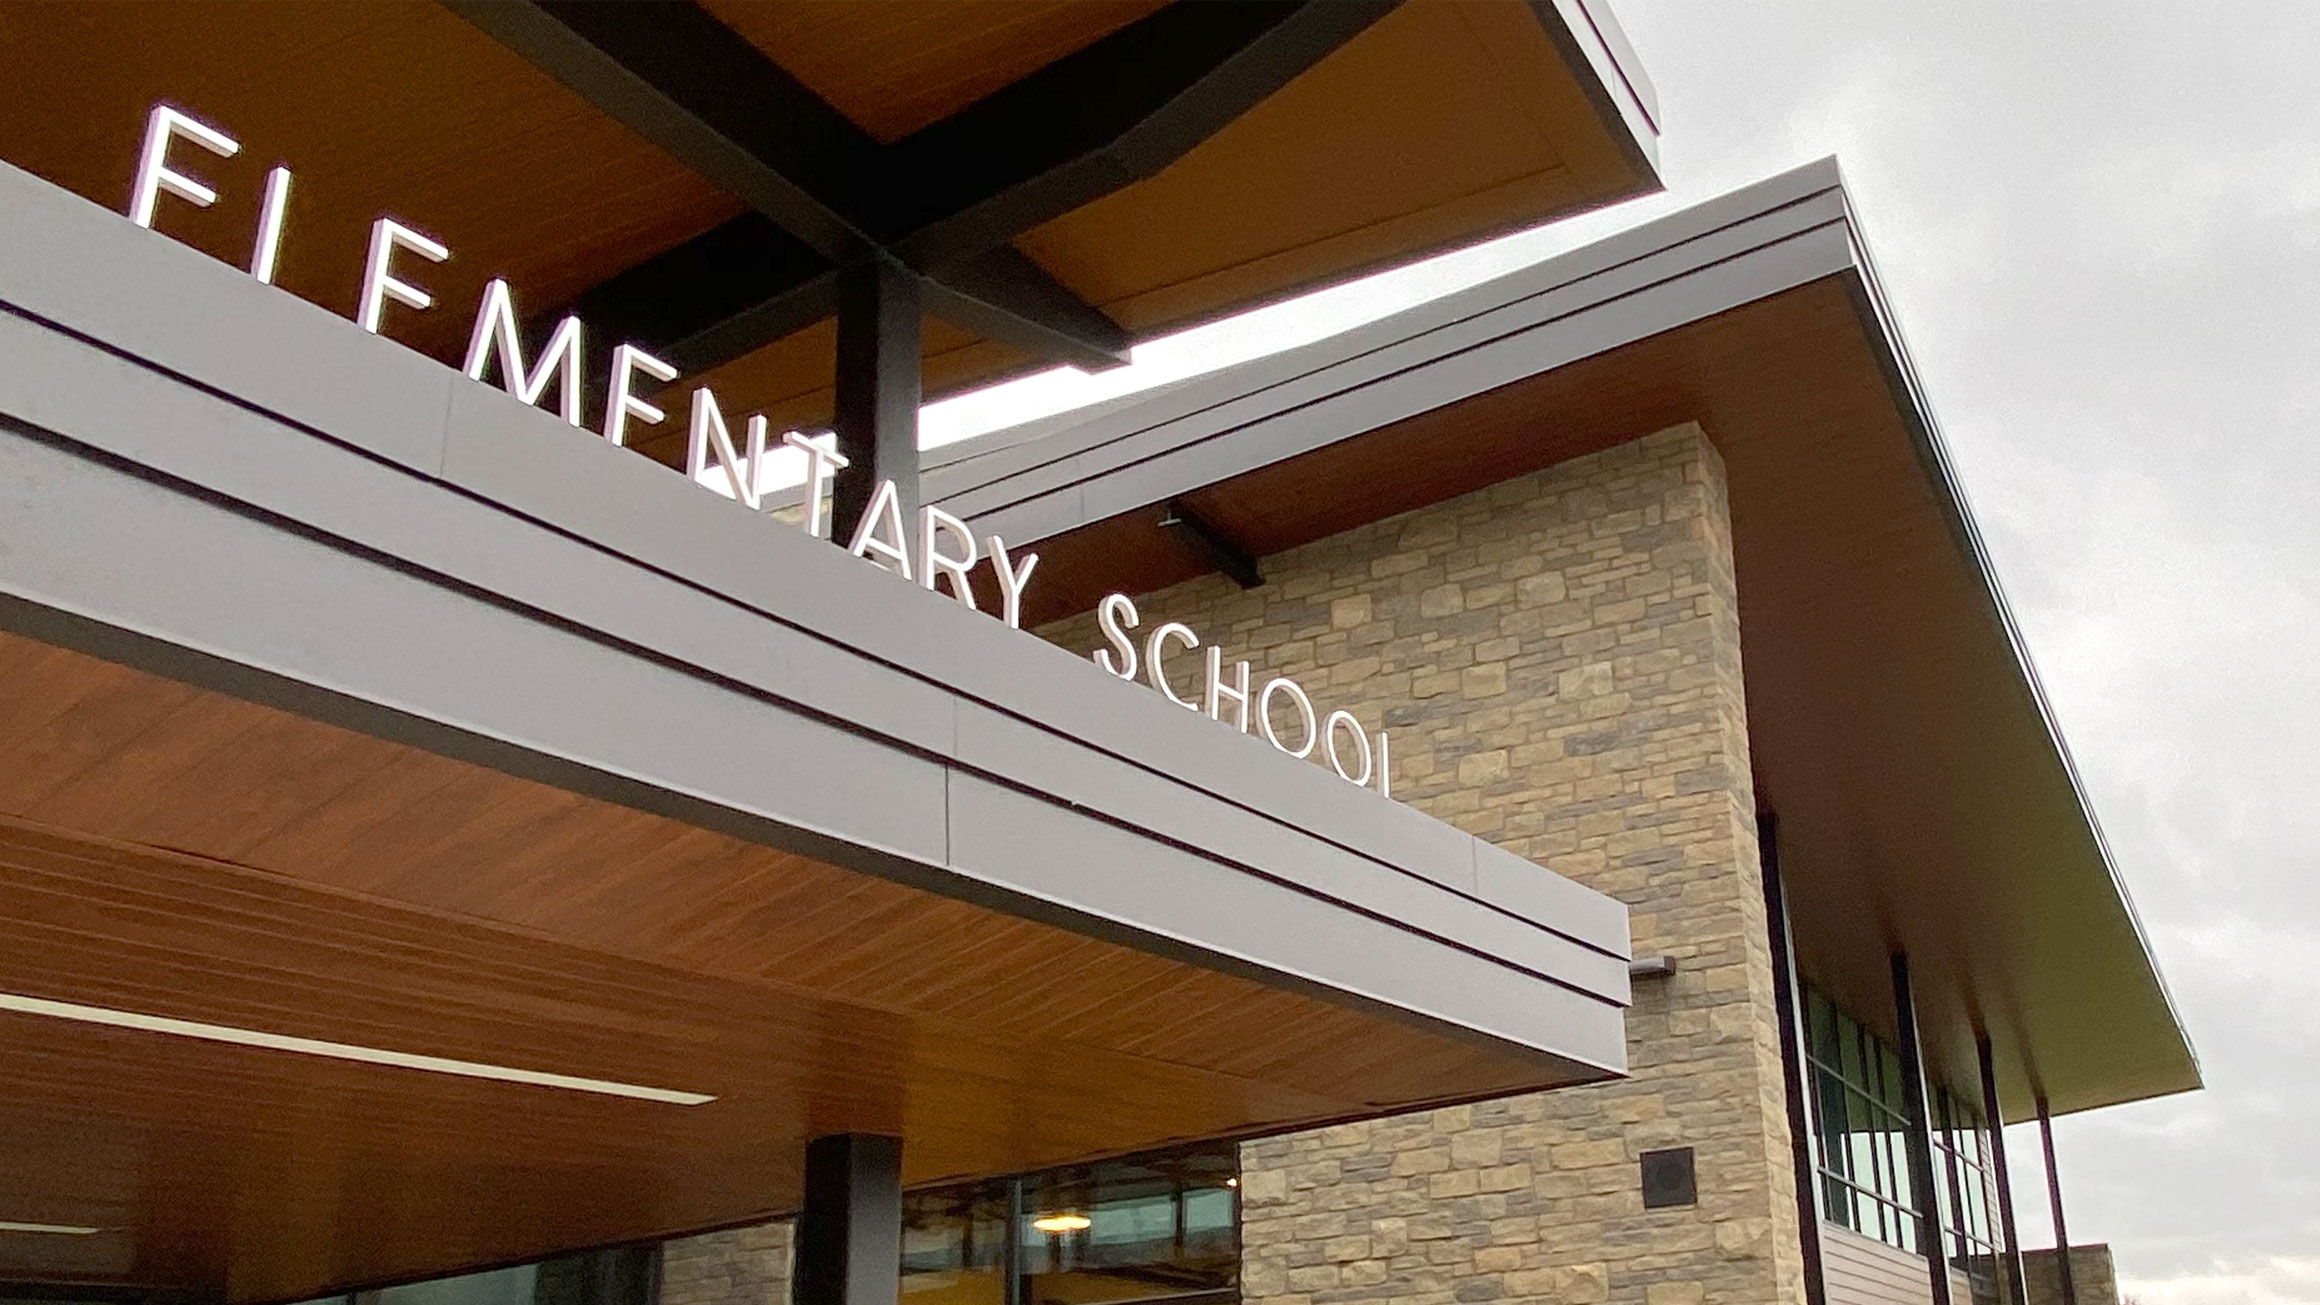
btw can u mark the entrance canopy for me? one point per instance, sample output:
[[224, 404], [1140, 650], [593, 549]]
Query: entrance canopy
[[433, 837]]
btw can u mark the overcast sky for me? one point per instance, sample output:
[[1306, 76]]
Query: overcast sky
[[2100, 226]]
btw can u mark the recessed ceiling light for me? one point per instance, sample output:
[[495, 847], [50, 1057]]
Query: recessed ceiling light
[[122, 1019], [1232, 1182], [1062, 1223], [60, 1229]]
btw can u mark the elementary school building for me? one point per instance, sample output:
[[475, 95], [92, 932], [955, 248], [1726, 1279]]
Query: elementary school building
[[1535, 799]]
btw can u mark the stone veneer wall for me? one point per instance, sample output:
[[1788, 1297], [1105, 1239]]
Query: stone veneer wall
[[1558, 661], [2091, 1273], [740, 1266]]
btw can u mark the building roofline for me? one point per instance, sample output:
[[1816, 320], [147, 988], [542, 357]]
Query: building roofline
[[1072, 470]]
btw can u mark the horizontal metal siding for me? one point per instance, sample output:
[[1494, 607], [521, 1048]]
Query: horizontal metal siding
[[1864, 1271]]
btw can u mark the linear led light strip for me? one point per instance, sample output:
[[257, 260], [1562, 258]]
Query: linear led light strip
[[62, 1229], [122, 1019]]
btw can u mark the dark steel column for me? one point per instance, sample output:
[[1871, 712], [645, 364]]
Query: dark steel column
[[1996, 1119], [1011, 1260], [876, 418], [2054, 1195], [1789, 1009], [849, 1235], [1920, 1140]]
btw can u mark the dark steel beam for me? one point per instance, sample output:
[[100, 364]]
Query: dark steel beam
[[1789, 1010], [1103, 117], [849, 1235], [876, 421], [691, 85], [1002, 295], [736, 287], [2054, 1197], [1213, 544], [945, 200], [1997, 1121], [1920, 1139], [820, 186]]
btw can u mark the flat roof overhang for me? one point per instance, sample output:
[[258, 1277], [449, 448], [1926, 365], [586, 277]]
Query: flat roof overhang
[[1925, 798], [1068, 177], [354, 702]]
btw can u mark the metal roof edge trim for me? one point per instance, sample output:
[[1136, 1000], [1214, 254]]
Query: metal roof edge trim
[[1949, 491], [1592, 38]]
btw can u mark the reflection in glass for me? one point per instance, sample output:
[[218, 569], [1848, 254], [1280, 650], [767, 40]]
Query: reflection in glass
[[1146, 1228]]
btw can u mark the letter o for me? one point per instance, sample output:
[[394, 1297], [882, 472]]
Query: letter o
[[1304, 708], [1329, 732]]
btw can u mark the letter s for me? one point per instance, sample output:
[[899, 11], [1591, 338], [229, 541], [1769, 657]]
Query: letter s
[[1117, 615]]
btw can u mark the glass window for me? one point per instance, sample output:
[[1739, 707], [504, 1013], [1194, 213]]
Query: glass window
[[1862, 1147], [1860, 1118], [1145, 1228], [1962, 1154]]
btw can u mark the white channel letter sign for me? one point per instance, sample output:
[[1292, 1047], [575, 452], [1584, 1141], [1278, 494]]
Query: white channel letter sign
[[941, 554]]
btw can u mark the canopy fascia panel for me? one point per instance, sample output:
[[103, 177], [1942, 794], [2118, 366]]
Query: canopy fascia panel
[[332, 545]]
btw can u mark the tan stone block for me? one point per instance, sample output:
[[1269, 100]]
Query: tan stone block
[[1442, 600], [1588, 1155], [1263, 1186], [1583, 1284], [1506, 1178], [1343, 1249], [1485, 680], [1744, 1239], [1349, 612], [1497, 1259], [1316, 1277], [1481, 768], [1428, 1160], [1320, 1173], [1675, 1293], [1543, 589], [1477, 1147], [1456, 1182], [1389, 1236]]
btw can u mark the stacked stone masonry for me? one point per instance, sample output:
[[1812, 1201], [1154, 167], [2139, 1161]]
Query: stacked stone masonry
[[740, 1266], [1557, 659], [2092, 1276]]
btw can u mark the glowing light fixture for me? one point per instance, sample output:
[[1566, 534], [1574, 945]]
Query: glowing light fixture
[[60, 1229], [1062, 1223], [122, 1019]]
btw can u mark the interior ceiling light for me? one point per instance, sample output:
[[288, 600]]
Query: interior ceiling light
[[122, 1019], [60, 1229], [1062, 1223]]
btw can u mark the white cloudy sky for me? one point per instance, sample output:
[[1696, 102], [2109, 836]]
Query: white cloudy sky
[[2100, 223]]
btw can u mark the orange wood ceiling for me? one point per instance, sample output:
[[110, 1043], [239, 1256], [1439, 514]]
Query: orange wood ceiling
[[172, 852], [1444, 123]]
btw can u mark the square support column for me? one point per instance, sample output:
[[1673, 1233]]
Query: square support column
[[2054, 1196], [1920, 1138], [1997, 1122], [876, 419], [849, 1235]]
